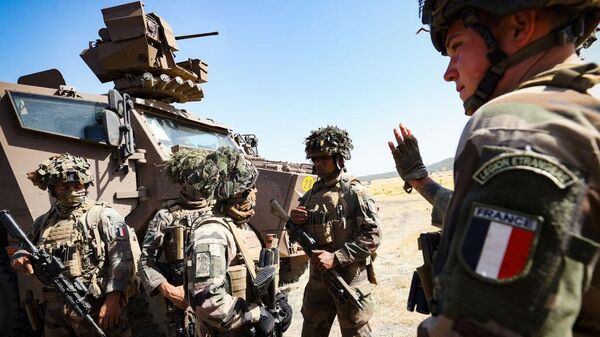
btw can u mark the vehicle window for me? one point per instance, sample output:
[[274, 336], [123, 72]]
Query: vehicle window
[[60, 115], [170, 133]]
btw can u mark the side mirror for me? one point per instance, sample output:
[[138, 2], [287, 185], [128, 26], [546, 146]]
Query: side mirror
[[115, 102], [111, 123]]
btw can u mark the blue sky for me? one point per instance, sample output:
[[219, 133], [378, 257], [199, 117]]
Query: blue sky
[[278, 69]]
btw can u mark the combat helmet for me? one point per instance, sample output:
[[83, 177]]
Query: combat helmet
[[330, 141], [64, 168], [438, 15], [237, 174], [190, 168]]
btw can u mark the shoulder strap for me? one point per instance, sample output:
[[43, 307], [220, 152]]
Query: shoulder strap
[[92, 219], [348, 194], [238, 241]]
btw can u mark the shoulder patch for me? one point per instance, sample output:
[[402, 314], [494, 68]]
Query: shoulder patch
[[499, 243], [121, 231], [202, 264], [559, 174]]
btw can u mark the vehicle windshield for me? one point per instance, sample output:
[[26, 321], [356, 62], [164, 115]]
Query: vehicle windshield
[[169, 133], [58, 115]]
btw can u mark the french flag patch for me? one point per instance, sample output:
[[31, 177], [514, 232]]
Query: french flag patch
[[121, 231], [499, 242]]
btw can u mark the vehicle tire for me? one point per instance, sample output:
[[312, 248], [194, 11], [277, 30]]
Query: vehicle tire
[[13, 319]]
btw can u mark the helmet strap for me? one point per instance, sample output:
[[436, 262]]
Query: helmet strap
[[500, 62]]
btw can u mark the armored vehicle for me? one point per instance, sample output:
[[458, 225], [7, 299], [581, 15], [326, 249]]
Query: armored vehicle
[[126, 135]]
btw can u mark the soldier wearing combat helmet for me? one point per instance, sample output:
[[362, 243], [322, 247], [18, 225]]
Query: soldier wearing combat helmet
[[341, 216], [91, 240], [222, 252], [161, 263], [520, 232]]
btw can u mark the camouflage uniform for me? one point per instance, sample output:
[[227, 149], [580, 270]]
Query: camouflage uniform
[[72, 235], [217, 280], [342, 218], [521, 233], [163, 246]]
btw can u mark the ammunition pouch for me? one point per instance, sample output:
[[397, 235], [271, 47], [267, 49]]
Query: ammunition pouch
[[236, 276], [322, 233]]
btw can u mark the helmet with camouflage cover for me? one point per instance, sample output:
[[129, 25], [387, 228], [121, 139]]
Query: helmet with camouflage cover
[[190, 168], [330, 141], [183, 163], [579, 21], [237, 174], [64, 168]]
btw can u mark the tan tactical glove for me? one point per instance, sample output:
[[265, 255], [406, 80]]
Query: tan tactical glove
[[409, 163]]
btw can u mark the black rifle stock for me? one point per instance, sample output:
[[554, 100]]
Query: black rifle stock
[[421, 287], [337, 286], [49, 270]]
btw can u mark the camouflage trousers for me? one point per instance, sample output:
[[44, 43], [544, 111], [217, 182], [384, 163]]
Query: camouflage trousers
[[319, 309], [60, 321]]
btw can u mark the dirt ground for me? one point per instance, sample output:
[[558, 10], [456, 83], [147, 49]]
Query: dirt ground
[[403, 217]]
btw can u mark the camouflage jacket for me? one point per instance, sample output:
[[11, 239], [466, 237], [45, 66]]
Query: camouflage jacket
[[210, 289], [154, 265], [522, 229], [115, 260], [343, 220]]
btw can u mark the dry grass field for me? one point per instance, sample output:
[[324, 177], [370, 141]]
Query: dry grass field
[[403, 217]]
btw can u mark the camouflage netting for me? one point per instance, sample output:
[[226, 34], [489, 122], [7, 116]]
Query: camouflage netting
[[328, 140], [183, 163], [54, 170], [237, 174]]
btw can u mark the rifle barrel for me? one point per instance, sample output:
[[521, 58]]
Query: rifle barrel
[[193, 36]]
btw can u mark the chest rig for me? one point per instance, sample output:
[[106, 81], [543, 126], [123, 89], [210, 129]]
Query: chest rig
[[329, 209], [75, 240], [176, 237]]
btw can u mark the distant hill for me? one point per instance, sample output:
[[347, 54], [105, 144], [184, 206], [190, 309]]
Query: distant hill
[[443, 165]]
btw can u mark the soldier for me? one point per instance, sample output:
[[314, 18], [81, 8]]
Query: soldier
[[161, 263], [92, 241], [521, 230], [223, 250], [341, 216]]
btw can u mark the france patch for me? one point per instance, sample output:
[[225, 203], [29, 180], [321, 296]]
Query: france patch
[[121, 231], [499, 242]]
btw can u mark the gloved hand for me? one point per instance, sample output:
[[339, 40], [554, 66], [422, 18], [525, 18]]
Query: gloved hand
[[264, 327], [286, 308], [409, 163]]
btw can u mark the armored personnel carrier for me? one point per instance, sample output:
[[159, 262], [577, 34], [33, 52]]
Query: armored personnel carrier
[[127, 135]]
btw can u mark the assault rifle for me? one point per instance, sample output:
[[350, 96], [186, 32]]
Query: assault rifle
[[49, 270], [265, 287], [337, 286], [421, 286]]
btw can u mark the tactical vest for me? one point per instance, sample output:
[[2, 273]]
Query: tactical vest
[[238, 280], [176, 238], [330, 220], [76, 241], [530, 278]]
